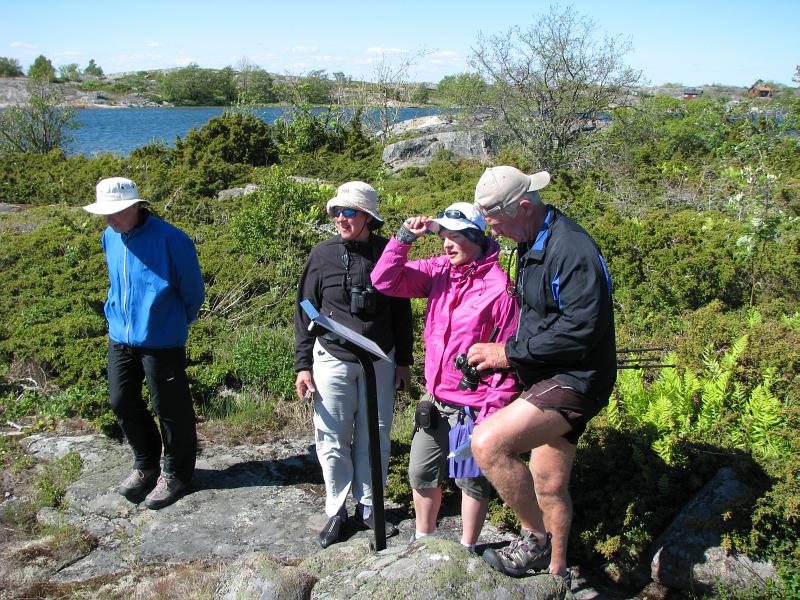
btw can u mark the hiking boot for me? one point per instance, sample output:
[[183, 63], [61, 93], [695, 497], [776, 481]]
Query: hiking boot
[[168, 489], [138, 483], [523, 556], [369, 522], [332, 530]]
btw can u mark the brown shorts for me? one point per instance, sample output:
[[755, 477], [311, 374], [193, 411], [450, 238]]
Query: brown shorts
[[576, 408]]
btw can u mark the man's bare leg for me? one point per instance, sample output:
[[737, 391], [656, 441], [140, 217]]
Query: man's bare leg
[[551, 465], [497, 443]]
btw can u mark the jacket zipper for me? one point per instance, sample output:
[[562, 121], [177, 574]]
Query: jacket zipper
[[125, 290]]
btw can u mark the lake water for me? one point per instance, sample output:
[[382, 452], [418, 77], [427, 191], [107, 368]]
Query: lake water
[[120, 130]]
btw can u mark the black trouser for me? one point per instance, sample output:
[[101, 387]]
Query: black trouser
[[165, 370]]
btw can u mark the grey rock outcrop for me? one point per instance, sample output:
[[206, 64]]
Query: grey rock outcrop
[[418, 152], [237, 192], [240, 502], [689, 555], [430, 569], [259, 577], [253, 513], [432, 134]]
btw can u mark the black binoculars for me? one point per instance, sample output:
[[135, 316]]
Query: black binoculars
[[362, 299]]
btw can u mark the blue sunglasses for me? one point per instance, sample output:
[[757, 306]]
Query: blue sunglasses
[[349, 213]]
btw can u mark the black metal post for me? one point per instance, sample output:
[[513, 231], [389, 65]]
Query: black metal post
[[365, 358]]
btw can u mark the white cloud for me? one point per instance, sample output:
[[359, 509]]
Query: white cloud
[[380, 50], [21, 45], [328, 58], [153, 45], [302, 49]]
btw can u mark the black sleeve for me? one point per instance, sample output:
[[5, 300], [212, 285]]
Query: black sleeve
[[307, 289], [402, 326]]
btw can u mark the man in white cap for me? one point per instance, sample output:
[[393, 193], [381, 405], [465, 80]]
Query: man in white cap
[[336, 280], [156, 291], [564, 355]]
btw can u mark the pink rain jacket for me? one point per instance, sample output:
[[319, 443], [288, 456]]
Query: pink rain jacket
[[464, 304]]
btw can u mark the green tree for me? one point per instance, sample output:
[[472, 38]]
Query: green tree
[[255, 86], [550, 85], [40, 125], [69, 72], [10, 67], [460, 90], [93, 69], [233, 137], [193, 86], [421, 94], [42, 69], [314, 88]]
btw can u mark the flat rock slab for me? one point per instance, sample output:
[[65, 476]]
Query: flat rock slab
[[244, 498], [265, 498]]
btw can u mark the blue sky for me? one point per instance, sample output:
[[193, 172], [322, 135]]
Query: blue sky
[[690, 42]]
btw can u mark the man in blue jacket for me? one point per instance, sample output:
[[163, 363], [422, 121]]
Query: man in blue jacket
[[564, 354], [155, 294]]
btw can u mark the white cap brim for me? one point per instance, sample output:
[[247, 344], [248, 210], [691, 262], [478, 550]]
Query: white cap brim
[[110, 208], [455, 224]]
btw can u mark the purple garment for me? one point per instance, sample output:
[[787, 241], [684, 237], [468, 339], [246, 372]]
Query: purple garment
[[459, 434]]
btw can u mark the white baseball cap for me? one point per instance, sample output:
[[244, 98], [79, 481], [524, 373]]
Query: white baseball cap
[[501, 186], [460, 216], [114, 194]]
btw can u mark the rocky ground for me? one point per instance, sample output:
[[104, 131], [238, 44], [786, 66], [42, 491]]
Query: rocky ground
[[251, 504]]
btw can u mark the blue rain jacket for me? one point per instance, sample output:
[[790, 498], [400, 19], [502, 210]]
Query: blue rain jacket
[[156, 285]]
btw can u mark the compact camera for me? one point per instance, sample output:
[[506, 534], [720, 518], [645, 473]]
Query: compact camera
[[362, 299]]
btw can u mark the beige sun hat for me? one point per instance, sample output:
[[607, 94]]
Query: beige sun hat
[[114, 195], [500, 186], [358, 195]]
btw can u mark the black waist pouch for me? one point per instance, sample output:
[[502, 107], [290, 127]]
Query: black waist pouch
[[426, 416]]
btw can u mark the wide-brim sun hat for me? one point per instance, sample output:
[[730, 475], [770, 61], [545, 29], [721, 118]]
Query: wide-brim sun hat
[[358, 195], [470, 218], [113, 195], [499, 186]]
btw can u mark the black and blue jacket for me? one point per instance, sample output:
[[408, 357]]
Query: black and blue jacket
[[566, 324]]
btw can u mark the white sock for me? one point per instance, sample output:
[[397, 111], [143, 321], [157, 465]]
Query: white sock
[[419, 534], [468, 546], [366, 511]]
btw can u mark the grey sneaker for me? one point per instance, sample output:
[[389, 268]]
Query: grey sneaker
[[523, 556], [168, 489], [138, 483]]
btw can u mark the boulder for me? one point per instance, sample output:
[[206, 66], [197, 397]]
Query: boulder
[[420, 151], [431, 569], [237, 192], [259, 577], [689, 556]]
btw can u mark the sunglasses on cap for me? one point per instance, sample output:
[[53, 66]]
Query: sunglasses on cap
[[496, 210], [452, 214], [348, 213]]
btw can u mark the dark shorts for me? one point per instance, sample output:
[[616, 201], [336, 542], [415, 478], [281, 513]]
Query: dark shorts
[[576, 408]]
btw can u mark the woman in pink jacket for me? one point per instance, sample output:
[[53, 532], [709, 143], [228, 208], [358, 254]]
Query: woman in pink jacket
[[468, 299]]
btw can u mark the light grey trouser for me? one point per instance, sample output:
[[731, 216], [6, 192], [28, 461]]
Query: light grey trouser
[[340, 420]]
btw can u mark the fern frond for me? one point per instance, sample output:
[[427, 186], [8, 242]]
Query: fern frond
[[764, 417]]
